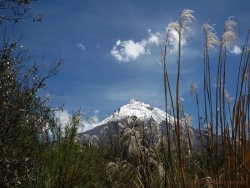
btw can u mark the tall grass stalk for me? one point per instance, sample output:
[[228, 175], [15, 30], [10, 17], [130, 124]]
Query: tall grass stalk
[[181, 27], [225, 155]]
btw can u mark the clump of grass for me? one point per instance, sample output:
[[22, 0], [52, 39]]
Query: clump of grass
[[224, 154]]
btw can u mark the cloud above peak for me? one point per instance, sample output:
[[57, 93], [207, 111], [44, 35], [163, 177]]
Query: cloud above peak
[[130, 50], [154, 38]]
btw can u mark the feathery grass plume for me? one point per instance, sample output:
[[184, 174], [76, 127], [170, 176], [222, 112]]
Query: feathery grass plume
[[132, 140], [175, 30], [193, 88], [118, 179], [212, 41], [93, 141], [229, 36], [186, 20], [172, 38], [172, 30], [228, 98], [230, 24]]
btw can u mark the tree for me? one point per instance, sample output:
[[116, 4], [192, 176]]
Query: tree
[[25, 117]]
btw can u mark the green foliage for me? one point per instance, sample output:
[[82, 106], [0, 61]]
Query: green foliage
[[23, 116], [28, 156], [68, 163]]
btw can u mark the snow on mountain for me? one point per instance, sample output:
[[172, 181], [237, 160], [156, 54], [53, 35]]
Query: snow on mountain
[[139, 109]]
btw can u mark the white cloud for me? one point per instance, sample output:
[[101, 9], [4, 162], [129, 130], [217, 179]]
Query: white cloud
[[82, 47], [63, 117], [85, 123], [91, 122], [154, 38], [130, 50], [235, 50]]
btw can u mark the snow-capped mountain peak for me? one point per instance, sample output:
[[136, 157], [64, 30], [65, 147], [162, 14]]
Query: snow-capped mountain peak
[[141, 110]]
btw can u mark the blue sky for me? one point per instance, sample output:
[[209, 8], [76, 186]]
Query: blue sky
[[84, 33]]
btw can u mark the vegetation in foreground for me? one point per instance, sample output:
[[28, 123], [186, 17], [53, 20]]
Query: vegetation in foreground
[[35, 151]]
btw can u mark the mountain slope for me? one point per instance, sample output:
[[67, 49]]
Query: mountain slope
[[146, 116]]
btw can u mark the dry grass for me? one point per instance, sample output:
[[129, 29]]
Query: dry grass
[[224, 155]]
